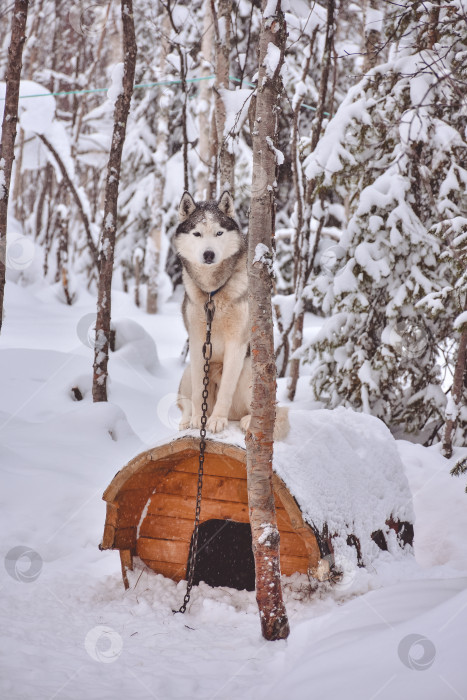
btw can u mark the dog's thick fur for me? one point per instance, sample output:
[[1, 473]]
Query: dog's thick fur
[[213, 253]]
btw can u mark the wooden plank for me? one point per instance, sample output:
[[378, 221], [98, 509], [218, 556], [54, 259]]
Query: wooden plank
[[109, 527], [130, 507], [292, 544], [283, 520], [214, 465], [108, 537], [125, 538], [176, 572], [167, 528], [134, 499], [126, 560], [128, 517], [146, 480], [111, 514], [290, 565], [299, 525], [215, 487], [163, 550], [184, 507]]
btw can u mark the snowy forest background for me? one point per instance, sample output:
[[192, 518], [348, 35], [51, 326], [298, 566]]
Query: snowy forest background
[[370, 294], [371, 228]]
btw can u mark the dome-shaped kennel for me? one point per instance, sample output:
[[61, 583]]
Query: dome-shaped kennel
[[151, 501]]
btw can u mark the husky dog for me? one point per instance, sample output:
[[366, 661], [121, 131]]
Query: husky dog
[[213, 253]]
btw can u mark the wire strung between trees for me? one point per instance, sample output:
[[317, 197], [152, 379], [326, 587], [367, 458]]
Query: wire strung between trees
[[161, 83]]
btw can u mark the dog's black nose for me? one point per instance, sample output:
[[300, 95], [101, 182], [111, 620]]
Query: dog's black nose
[[208, 256]]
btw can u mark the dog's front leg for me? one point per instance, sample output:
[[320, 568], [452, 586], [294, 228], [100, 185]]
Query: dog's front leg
[[234, 357], [197, 374]]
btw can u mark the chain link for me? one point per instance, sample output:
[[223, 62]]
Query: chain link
[[209, 309]]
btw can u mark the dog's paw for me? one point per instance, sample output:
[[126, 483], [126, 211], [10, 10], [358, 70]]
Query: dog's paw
[[195, 422], [245, 422], [217, 423], [184, 424]]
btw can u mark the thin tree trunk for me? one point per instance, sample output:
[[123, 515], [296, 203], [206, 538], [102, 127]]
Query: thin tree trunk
[[78, 114], [183, 71], [183, 68], [204, 109], [226, 159], [212, 182], [283, 350], [107, 248], [17, 187], [372, 38], [40, 205], [76, 197], [62, 252], [460, 373], [259, 438], [137, 261], [10, 119], [154, 239], [303, 235]]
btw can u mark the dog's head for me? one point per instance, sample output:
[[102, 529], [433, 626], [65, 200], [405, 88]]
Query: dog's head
[[208, 232]]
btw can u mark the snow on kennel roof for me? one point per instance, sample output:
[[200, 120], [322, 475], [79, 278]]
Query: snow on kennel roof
[[344, 470]]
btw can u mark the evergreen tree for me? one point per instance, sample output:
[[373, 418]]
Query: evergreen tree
[[393, 153]]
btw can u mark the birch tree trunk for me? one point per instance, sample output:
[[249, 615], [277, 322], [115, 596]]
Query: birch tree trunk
[[107, 248], [10, 119], [259, 438], [161, 156], [204, 108], [302, 249], [222, 22]]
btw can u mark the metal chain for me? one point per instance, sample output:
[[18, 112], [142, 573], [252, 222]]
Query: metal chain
[[209, 309]]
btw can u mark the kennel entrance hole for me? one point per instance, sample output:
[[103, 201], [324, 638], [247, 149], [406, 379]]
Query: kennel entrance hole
[[225, 555]]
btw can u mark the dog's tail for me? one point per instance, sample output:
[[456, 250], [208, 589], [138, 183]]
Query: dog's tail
[[282, 425]]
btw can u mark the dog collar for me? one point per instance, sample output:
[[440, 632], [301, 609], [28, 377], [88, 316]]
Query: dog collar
[[211, 294]]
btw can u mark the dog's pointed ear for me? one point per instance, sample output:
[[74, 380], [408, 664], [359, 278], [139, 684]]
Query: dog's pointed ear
[[226, 204], [187, 207]]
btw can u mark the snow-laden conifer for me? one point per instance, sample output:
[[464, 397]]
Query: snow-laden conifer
[[394, 153]]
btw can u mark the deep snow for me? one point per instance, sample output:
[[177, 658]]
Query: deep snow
[[70, 631]]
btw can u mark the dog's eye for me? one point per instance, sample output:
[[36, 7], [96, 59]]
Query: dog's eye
[[196, 233], [219, 233]]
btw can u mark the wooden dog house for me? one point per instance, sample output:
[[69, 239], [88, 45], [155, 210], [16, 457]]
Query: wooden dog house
[[151, 504]]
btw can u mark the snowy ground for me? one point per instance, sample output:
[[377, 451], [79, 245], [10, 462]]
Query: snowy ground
[[70, 631]]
